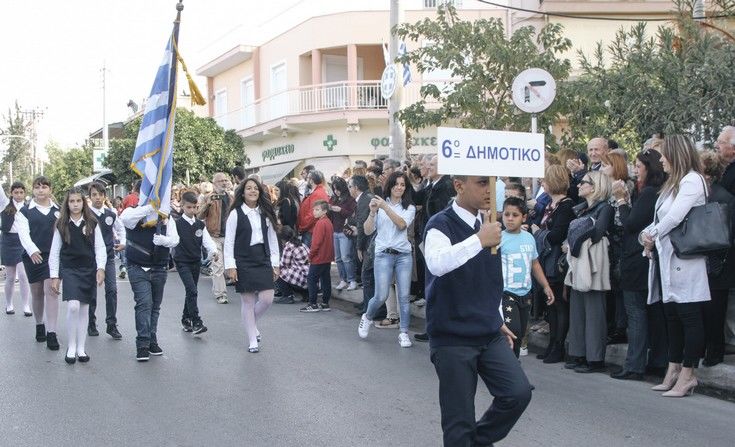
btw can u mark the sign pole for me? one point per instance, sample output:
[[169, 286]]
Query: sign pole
[[534, 129], [493, 207]]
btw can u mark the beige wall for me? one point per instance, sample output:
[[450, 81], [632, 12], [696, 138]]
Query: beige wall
[[230, 80], [372, 57]]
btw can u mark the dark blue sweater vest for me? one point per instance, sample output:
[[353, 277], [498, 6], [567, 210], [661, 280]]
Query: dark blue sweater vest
[[107, 232], [462, 306], [142, 237], [190, 241], [41, 227], [79, 252]]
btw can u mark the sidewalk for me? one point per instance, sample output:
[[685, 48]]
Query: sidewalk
[[720, 377]]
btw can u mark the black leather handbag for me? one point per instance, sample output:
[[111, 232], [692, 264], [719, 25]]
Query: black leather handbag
[[705, 229]]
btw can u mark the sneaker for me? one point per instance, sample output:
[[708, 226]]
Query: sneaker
[[222, 299], [341, 286], [92, 330], [324, 307], [364, 328], [113, 332], [155, 349], [310, 308], [142, 355], [352, 286], [420, 302], [199, 328], [285, 300], [524, 352], [388, 323], [186, 325], [404, 341], [41, 333], [51, 341], [123, 273]]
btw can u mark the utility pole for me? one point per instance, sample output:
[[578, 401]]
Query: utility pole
[[397, 134], [32, 116], [105, 130]]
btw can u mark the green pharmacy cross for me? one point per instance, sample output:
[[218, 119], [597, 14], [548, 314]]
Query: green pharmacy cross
[[330, 142]]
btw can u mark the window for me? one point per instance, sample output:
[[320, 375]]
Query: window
[[247, 100], [279, 98], [220, 107]]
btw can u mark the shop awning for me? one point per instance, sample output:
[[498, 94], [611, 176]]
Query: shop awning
[[270, 175], [106, 177]]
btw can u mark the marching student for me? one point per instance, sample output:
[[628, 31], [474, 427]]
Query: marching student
[[77, 252], [193, 235], [520, 262], [147, 250], [251, 253], [113, 234], [11, 251], [35, 225]]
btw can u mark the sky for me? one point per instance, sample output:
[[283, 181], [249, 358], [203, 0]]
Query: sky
[[53, 53]]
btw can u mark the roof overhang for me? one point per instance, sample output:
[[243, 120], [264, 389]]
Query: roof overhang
[[235, 56]]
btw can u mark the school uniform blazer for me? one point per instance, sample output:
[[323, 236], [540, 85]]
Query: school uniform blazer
[[682, 280]]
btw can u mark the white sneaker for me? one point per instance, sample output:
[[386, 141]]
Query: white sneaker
[[364, 328], [341, 286], [420, 303], [352, 286], [404, 341], [524, 351]]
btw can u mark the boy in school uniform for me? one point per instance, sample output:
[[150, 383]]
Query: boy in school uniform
[[113, 233], [193, 235], [321, 255]]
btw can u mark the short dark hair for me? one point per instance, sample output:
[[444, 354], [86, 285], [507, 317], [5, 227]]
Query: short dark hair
[[361, 163], [17, 185], [391, 163], [516, 202], [612, 144], [99, 187], [375, 170], [309, 168], [321, 204], [238, 172], [317, 177], [360, 182], [378, 163], [518, 188], [41, 180], [189, 197]]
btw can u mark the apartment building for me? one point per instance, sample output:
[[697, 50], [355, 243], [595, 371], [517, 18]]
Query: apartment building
[[310, 94]]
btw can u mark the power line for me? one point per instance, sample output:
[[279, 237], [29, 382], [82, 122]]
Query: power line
[[616, 19]]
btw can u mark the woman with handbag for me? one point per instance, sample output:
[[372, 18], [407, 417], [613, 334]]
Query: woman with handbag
[[681, 283], [556, 217], [636, 213]]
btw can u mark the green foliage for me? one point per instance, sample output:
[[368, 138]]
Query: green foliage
[[19, 150], [484, 62], [66, 167], [200, 146]]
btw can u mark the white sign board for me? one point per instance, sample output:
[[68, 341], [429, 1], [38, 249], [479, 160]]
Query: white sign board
[[489, 153], [388, 82], [98, 157]]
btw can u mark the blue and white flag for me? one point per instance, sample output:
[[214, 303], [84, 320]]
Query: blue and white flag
[[153, 158], [406, 69]]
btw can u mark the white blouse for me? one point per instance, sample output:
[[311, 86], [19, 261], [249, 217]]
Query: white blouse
[[256, 237]]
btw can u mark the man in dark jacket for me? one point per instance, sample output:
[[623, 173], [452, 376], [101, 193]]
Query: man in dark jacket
[[725, 146], [358, 186]]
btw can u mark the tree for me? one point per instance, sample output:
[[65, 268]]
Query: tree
[[201, 148], [484, 63], [66, 167], [18, 149]]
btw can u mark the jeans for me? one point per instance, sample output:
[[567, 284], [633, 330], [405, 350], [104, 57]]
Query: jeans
[[189, 274], [110, 296], [635, 310], [343, 256], [458, 368], [148, 293], [319, 273], [686, 333], [386, 266], [715, 312], [368, 282], [123, 260], [306, 239]]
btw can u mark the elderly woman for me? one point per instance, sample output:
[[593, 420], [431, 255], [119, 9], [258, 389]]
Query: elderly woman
[[721, 279], [680, 283]]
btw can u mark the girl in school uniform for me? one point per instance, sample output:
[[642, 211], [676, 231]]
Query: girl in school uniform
[[251, 253], [35, 223], [11, 251], [77, 262]]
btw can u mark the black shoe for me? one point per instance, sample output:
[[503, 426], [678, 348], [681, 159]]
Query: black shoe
[[92, 330], [27, 314], [71, 360], [574, 362], [114, 333], [710, 362], [556, 355], [324, 307], [83, 358], [277, 293], [51, 341], [424, 337], [285, 300], [10, 312], [253, 350], [142, 355], [546, 353], [41, 333], [590, 367], [617, 338], [656, 371], [199, 328], [155, 349], [186, 325], [627, 375]]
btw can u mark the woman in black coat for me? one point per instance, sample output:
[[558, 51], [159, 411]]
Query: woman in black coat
[[646, 324], [288, 203]]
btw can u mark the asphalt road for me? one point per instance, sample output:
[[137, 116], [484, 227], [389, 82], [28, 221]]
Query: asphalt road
[[314, 383]]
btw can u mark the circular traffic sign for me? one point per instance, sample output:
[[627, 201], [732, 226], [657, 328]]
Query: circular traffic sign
[[388, 82], [534, 90]]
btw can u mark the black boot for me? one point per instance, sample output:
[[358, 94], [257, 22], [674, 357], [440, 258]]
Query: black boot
[[51, 342], [546, 353], [112, 330], [41, 333], [92, 330], [556, 355]]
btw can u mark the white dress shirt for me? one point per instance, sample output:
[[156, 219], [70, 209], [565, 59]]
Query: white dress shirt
[[389, 236], [117, 228], [54, 257], [130, 218], [207, 240], [4, 200], [256, 237], [24, 231]]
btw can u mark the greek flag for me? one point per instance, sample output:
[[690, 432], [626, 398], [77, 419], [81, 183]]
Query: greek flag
[[153, 157], [406, 70]]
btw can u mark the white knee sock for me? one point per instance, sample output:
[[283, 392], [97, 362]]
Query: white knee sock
[[248, 318], [9, 286], [52, 306], [265, 299], [82, 329], [72, 321], [25, 290]]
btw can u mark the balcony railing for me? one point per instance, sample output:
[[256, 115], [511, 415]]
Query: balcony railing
[[330, 97]]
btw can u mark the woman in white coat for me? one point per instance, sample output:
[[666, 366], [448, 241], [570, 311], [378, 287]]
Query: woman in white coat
[[681, 283]]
